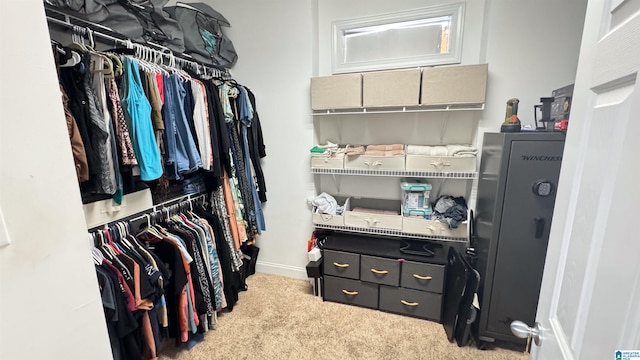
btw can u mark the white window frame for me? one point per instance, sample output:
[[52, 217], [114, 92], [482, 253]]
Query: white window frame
[[455, 10]]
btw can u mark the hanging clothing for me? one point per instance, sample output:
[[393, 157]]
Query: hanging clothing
[[106, 181], [128, 156], [77, 146], [71, 79], [246, 117], [201, 124], [249, 213], [137, 111], [182, 154], [257, 149], [232, 278], [189, 105]]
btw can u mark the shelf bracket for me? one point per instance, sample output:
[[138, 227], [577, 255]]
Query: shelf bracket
[[443, 130], [336, 180]]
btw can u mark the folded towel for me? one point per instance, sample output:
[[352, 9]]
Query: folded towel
[[354, 150], [427, 150], [385, 147], [461, 150], [384, 153], [318, 150]]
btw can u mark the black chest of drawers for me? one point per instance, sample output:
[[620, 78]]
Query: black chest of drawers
[[372, 272]]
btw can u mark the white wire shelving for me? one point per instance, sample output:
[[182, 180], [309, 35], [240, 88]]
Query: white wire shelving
[[389, 232], [403, 109], [397, 173]]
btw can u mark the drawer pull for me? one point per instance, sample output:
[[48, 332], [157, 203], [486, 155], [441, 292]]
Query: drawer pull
[[371, 222], [347, 292], [405, 302], [340, 265], [420, 277], [372, 164], [380, 272]]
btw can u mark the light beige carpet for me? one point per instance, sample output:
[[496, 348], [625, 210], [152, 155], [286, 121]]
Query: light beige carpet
[[279, 318]]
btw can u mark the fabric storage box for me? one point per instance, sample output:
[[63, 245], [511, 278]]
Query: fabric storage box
[[411, 302], [343, 264], [452, 85], [329, 219], [441, 163], [353, 292], [391, 88], [385, 214], [418, 225], [380, 270], [422, 276], [369, 162], [336, 92], [335, 161]]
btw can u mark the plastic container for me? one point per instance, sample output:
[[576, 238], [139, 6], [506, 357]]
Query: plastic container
[[415, 198], [419, 213]]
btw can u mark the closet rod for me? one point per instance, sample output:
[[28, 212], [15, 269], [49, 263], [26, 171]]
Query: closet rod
[[158, 207], [165, 51]]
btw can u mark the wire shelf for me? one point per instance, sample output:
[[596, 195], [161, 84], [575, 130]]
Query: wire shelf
[[397, 173], [389, 232], [403, 109]]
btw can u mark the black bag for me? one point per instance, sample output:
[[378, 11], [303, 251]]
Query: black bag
[[157, 26], [203, 36], [138, 20]]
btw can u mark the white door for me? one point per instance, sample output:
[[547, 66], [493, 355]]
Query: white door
[[589, 304]]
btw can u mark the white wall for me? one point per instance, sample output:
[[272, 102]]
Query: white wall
[[50, 306], [532, 48], [274, 44]]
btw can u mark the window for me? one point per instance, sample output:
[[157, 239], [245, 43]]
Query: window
[[420, 37]]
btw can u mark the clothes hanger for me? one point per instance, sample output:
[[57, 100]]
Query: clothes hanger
[[110, 242], [105, 249]]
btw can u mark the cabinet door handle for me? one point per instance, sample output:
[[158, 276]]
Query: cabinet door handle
[[440, 164], [381, 272], [405, 302], [420, 277], [340, 265], [351, 293]]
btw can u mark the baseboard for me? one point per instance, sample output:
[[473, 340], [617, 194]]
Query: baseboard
[[283, 270]]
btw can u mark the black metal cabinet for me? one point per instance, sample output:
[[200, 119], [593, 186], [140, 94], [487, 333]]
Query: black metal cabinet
[[517, 185]]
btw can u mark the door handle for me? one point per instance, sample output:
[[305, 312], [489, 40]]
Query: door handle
[[539, 226], [523, 331]]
